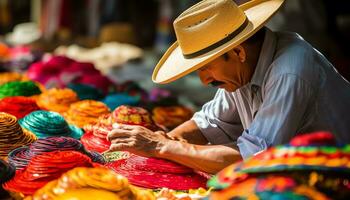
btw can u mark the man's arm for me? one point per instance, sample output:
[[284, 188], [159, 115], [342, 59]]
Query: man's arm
[[142, 141], [188, 132], [207, 158], [195, 152]]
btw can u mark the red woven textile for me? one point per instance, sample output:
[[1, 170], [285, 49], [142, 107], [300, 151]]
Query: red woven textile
[[156, 173], [18, 106], [44, 168]]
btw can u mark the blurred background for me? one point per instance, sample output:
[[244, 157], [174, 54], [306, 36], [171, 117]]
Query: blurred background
[[94, 29]]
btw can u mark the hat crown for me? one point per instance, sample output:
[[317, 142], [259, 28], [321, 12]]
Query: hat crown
[[207, 23]]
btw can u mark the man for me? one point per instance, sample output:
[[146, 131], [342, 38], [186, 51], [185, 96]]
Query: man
[[272, 85]]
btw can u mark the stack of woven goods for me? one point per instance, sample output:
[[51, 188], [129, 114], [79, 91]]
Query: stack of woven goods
[[312, 166], [96, 134], [40, 132], [43, 168], [20, 157], [12, 135]]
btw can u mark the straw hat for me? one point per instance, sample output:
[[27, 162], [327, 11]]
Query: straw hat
[[209, 29], [23, 33]]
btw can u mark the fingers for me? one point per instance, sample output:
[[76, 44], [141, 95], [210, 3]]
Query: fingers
[[118, 133], [122, 140], [120, 147], [124, 126], [121, 130]]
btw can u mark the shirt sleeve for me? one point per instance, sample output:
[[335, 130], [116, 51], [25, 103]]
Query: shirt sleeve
[[218, 119], [282, 112]]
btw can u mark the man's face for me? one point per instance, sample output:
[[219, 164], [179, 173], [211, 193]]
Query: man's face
[[229, 71]]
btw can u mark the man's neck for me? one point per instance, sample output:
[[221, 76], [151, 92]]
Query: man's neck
[[253, 52]]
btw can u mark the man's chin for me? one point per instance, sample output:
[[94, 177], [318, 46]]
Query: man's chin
[[228, 88]]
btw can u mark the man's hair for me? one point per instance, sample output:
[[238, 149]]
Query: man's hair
[[257, 37], [225, 56]]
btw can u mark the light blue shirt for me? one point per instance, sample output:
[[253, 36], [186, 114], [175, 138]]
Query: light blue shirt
[[294, 89]]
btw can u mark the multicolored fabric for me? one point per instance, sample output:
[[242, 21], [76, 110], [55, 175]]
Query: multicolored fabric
[[311, 160], [266, 188]]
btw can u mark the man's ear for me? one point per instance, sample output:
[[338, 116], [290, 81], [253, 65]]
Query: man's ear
[[240, 52]]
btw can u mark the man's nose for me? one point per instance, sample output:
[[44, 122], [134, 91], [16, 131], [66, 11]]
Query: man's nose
[[204, 76]]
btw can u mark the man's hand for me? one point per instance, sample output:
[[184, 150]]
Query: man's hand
[[136, 139]]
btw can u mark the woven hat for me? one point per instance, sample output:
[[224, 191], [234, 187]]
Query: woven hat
[[23, 33], [11, 76], [11, 134], [96, 134], [57, 100], [313, 162], [20, 157], [85, 91], [96, 180], [19, 88], [18, 106], [46, 123], [85, 112], [209, 29], [171, 116], [154, 173], [44, 168]]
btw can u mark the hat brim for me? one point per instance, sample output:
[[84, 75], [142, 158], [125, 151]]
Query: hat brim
[[173, 65], [13, 40], [74, 131]]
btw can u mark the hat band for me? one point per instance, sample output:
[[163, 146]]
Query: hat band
[[219, 43]]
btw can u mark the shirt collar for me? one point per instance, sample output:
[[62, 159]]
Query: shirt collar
[[265, 59]]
